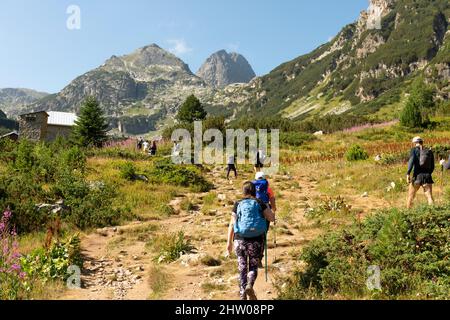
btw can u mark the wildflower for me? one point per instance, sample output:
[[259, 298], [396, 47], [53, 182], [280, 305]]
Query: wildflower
[[7, 214], [15, 267]]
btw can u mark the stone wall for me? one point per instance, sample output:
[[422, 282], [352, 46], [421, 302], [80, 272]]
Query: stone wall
[[54, 131], [33, 126]]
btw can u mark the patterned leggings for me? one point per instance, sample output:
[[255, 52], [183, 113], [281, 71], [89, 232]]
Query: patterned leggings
[[248, 253]]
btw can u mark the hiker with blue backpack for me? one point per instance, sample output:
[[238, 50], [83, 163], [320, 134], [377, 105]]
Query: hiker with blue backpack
[[246, 234], [422, 161]]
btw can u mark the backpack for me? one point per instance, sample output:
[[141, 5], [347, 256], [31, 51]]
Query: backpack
[[262, 190], [250, 221], [426, 160]]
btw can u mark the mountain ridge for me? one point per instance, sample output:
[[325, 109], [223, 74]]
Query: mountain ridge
[[223, 68]]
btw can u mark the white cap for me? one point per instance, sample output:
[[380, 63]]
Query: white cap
[[417, 140], [260, 175]]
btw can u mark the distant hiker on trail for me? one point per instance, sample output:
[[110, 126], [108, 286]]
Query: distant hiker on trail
[[263, 190], [260, 158], [139, 143], [422, 161], [145, 145], [231, 163], [266, 195], [246, 234], [153, 149]]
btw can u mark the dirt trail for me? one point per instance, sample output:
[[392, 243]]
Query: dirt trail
[[118, 266]]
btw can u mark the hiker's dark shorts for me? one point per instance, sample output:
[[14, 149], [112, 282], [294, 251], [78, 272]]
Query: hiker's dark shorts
[[423, 179]]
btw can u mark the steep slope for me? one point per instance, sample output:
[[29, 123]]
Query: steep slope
[[13, 101], [364, 69], [135, 90], [223, 68]]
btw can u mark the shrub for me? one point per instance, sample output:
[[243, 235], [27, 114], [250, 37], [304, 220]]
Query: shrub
[[329, 205], [409, 246], [53, 264], [295, 139], [171, 246], [128, 171], [166, 172], [356, 153]]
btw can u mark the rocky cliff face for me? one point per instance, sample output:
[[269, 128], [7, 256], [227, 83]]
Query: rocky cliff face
[[223, 68], [150, 77], [146, 82], [13, 101], [365, 69]]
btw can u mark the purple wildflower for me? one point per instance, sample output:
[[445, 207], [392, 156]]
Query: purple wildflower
[[7, 214]]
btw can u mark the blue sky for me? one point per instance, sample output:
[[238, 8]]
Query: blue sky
[[40, 52]]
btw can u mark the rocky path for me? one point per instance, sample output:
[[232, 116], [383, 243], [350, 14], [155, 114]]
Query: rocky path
[[118, 264]]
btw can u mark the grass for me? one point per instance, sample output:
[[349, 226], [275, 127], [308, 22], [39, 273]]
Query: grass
[[210, 261], [209, 287], [159, 282], [146, 201], [170, 246]]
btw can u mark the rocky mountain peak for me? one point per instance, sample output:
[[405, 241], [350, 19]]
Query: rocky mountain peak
[[223, 68]]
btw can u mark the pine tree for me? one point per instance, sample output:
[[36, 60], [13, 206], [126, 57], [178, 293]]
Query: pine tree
[[418, 107], [191, 110], [91, 127]]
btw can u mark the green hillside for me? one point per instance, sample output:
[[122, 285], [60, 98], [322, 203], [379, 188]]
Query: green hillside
[[364, 71]]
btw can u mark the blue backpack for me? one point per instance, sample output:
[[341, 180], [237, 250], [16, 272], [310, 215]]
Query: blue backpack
[[262, 190], [250, 221]]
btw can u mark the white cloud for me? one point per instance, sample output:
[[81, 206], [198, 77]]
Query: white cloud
[[179, 46]]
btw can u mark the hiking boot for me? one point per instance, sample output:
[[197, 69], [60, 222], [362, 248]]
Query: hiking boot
[[250, 292]]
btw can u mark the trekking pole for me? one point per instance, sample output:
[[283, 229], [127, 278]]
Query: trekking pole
[[266, 262], [275, 240]]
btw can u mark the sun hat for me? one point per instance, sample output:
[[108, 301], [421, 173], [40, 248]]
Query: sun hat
[[260, 175], [417, 140]]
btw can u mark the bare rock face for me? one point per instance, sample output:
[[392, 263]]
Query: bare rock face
[[223, 68], [13, 100], [134, 90]]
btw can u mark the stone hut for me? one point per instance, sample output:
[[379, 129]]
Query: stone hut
[[46, 126], [33, 126]]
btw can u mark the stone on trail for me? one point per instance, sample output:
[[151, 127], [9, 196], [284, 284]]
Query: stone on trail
[[365, 195], [191, 259]]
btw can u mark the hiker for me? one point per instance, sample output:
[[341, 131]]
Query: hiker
[[422, 161], [145, 145], [153, 149], [260, 157], [246, 234], [231, 166], [139, 143], [263, 190], [266, 195]]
